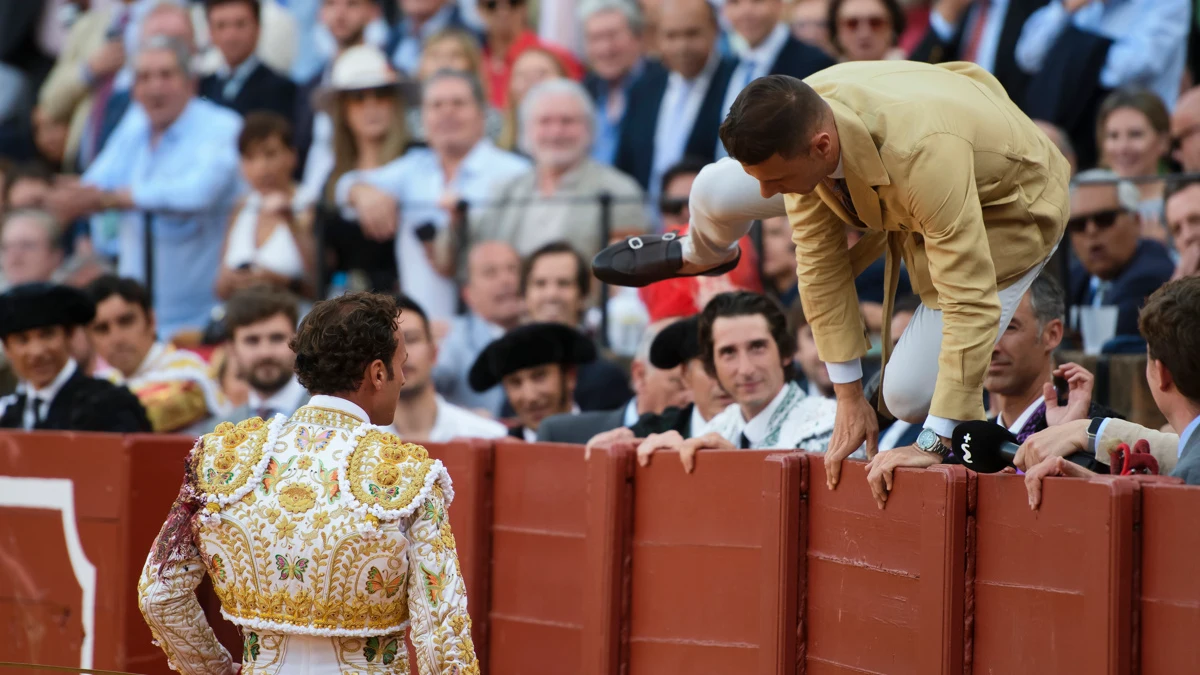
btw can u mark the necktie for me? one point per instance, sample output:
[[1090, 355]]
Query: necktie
[[1102, 290], [1033, 424], [745, 443], [38, 418], [748, 76], [971, 48], [842, 191]]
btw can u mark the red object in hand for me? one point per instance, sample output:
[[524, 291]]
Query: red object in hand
[[1126, 462]]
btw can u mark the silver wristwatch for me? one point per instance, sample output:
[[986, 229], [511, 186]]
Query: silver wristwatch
[[929, 441]]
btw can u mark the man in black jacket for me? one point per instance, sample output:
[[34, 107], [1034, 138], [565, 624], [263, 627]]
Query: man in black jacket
[[37, 322], [243, 84]]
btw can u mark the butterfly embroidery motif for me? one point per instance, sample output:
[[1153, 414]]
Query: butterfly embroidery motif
[[274, 474], [377, 492], [250, 649], [295, 569], [435, 583], [387, 654], [328, 481], [376, 582], [214, 476], [218, 568], [434, 514], [308, 441]]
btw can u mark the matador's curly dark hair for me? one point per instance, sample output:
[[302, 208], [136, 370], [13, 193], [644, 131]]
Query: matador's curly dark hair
[[339, 338]]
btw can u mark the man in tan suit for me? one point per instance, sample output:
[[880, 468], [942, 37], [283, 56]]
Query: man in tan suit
[[942, 170]]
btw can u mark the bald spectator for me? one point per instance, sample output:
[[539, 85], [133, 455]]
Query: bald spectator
[[558, 198], [494, 305], [30, 247], [1059, 138], [1183, 222], [676, 113], [1185, 131]]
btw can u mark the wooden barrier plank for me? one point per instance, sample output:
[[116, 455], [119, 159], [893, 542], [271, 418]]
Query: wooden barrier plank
[[698, 562], [885, 588], [539, 530], [605, 601], [1053, 587], [784, 541], [42, 613], [1170, 587]]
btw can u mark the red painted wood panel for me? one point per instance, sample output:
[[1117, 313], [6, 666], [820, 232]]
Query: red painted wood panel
[[1053, 587], [1170, 593]]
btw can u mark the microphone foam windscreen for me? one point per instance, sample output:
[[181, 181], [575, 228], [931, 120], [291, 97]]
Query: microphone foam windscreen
[[983, 446]]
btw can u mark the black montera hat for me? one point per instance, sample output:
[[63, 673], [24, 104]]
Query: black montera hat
[[676, 344], [38, 305], [527, 346]]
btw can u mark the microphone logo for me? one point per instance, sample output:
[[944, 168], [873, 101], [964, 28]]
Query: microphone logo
[[966, 448]]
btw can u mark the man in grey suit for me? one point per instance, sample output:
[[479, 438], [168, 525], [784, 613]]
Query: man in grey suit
[[654, 390], [261, 322], [1170, 323]]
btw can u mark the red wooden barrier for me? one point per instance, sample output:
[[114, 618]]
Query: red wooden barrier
[[1170, 595], [539, 532], [886, 589], [712, 589], [1054, 587]]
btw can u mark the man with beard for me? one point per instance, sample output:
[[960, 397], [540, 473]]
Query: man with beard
[[261, 321], [37, 322], [538, 366], [422, 415], [558, 198]]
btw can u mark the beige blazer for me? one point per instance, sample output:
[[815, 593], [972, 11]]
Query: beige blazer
[[65, 96], [945, 171]]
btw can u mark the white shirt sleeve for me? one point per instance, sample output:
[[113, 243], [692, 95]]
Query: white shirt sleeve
[[724, 200], [845, 371]]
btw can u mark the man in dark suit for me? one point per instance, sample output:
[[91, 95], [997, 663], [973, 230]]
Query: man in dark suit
[[655, 389], [766, 48], [616, 61], [538, 366], [37, 323], [1113, 266], [677, 346], [244, 83], [676, 113], [982, 31]]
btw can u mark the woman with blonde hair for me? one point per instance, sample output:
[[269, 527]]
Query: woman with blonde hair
[[369, 130], [534, 66], [1133, 134]]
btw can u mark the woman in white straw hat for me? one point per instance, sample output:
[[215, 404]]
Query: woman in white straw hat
[[367, 108]]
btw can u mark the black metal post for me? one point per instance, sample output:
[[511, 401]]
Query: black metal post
[[756, 238], [605, 201], [148, 252], [462, 210]]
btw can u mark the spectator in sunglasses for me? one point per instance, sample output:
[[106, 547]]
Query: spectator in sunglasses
[[1113, 265], [866, 30]]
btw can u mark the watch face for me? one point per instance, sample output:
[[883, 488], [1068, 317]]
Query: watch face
[[926, 439]]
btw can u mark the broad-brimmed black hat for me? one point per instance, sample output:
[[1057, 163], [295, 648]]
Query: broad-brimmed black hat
[[528, 346], [38, 305], [676, 344]]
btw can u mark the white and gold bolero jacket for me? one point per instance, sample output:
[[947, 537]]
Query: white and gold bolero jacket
[[323, 536]]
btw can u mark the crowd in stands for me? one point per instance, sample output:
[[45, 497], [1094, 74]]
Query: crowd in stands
[[180, 181]]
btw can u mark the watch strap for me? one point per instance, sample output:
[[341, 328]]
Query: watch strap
[[1093, 429]]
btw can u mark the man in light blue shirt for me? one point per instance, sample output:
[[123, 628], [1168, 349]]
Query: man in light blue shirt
[[1149, 47], [414, 197], [171, 163]]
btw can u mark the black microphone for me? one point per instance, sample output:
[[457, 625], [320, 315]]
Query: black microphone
[[984, 447]]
